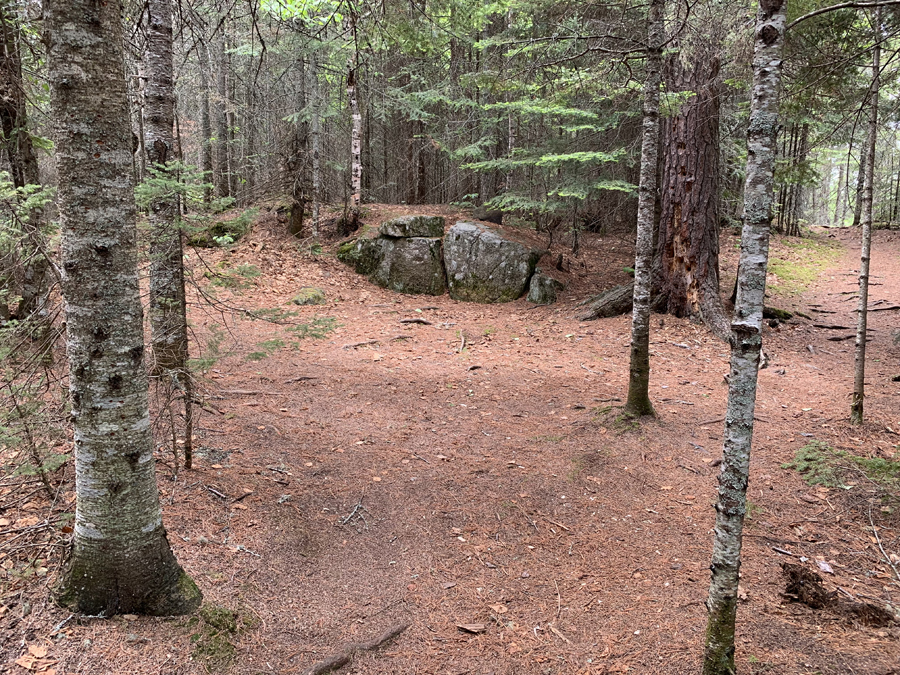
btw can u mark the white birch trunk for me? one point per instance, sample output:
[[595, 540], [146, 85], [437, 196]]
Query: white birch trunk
[[859, 370], [746, 339], [120, 560], [638, 402], [355, 138]]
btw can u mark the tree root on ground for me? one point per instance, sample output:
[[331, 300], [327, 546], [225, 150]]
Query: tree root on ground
[[343, 657]]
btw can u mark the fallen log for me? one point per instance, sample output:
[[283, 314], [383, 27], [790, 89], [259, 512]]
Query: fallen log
[[612, 302]]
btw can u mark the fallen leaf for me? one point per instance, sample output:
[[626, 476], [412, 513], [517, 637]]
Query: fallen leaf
[[376, 479], [742, 594], [448, 584], [215, 466], [500, 609], [825, 567], [26, 661], [4, 522], [470, 627]]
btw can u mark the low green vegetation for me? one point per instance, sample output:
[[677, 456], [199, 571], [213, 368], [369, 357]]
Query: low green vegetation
[[226, 276], [317, 328], [820, 464], [806, 260], [223, 233], [215, 627]]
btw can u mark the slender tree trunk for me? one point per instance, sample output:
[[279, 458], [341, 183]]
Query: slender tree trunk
[[896, 200], [222, 175], [638, 402], [168, 317], [120, 560], [206, 155], [860, 186], [859, 374], [355, 136], [316, 143], [689, 224], [22, 163], [840, 191], [746, 341]]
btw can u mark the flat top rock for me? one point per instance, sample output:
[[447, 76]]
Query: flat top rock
[[413, 226]]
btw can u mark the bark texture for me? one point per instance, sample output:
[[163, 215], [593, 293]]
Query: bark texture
[[688, 276], [222, 176], [355, 139], [168, 311], [859, 364], [167, 320], [121, 560], [206, 155], [638, 402], [23, 164], [746, 340], [316, 138]]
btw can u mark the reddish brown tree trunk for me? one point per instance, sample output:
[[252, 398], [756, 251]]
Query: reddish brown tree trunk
[[688, 244]]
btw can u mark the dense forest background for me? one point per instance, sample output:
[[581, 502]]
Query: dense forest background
[[528, 107], [189, 118]]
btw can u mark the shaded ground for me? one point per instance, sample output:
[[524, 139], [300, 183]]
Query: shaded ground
[[342, 489]]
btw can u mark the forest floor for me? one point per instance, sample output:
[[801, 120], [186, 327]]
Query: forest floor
[[473, 477]]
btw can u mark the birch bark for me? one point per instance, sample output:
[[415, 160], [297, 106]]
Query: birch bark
[[746, 339], [859, 370], [355, 139], [121, 560], [638, 402]]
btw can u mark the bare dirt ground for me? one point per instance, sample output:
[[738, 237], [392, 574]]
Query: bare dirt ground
[[475, 471]]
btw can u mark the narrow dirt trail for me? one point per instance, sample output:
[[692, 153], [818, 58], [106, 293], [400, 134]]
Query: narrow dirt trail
[[389, 473]]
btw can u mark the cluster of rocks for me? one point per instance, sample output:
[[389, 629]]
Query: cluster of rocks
[[473, 262]]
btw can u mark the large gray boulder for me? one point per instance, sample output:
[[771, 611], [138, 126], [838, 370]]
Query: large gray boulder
[[364, 254], [485, 266], [413, 226], [411, 265], [543, 289]]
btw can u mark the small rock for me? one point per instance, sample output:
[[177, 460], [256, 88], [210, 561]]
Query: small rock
[[543, 289], [310, 296], [489, 215]]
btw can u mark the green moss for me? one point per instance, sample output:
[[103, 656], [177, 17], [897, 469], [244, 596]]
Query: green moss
[[808, 258], [215, 627], [219, 618], [820, 464], [309, 296], [363, 254]]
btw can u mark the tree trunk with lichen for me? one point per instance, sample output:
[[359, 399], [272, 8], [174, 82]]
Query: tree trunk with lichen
[[168, 311], [746, 340], [120, 561], [638, 402]]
